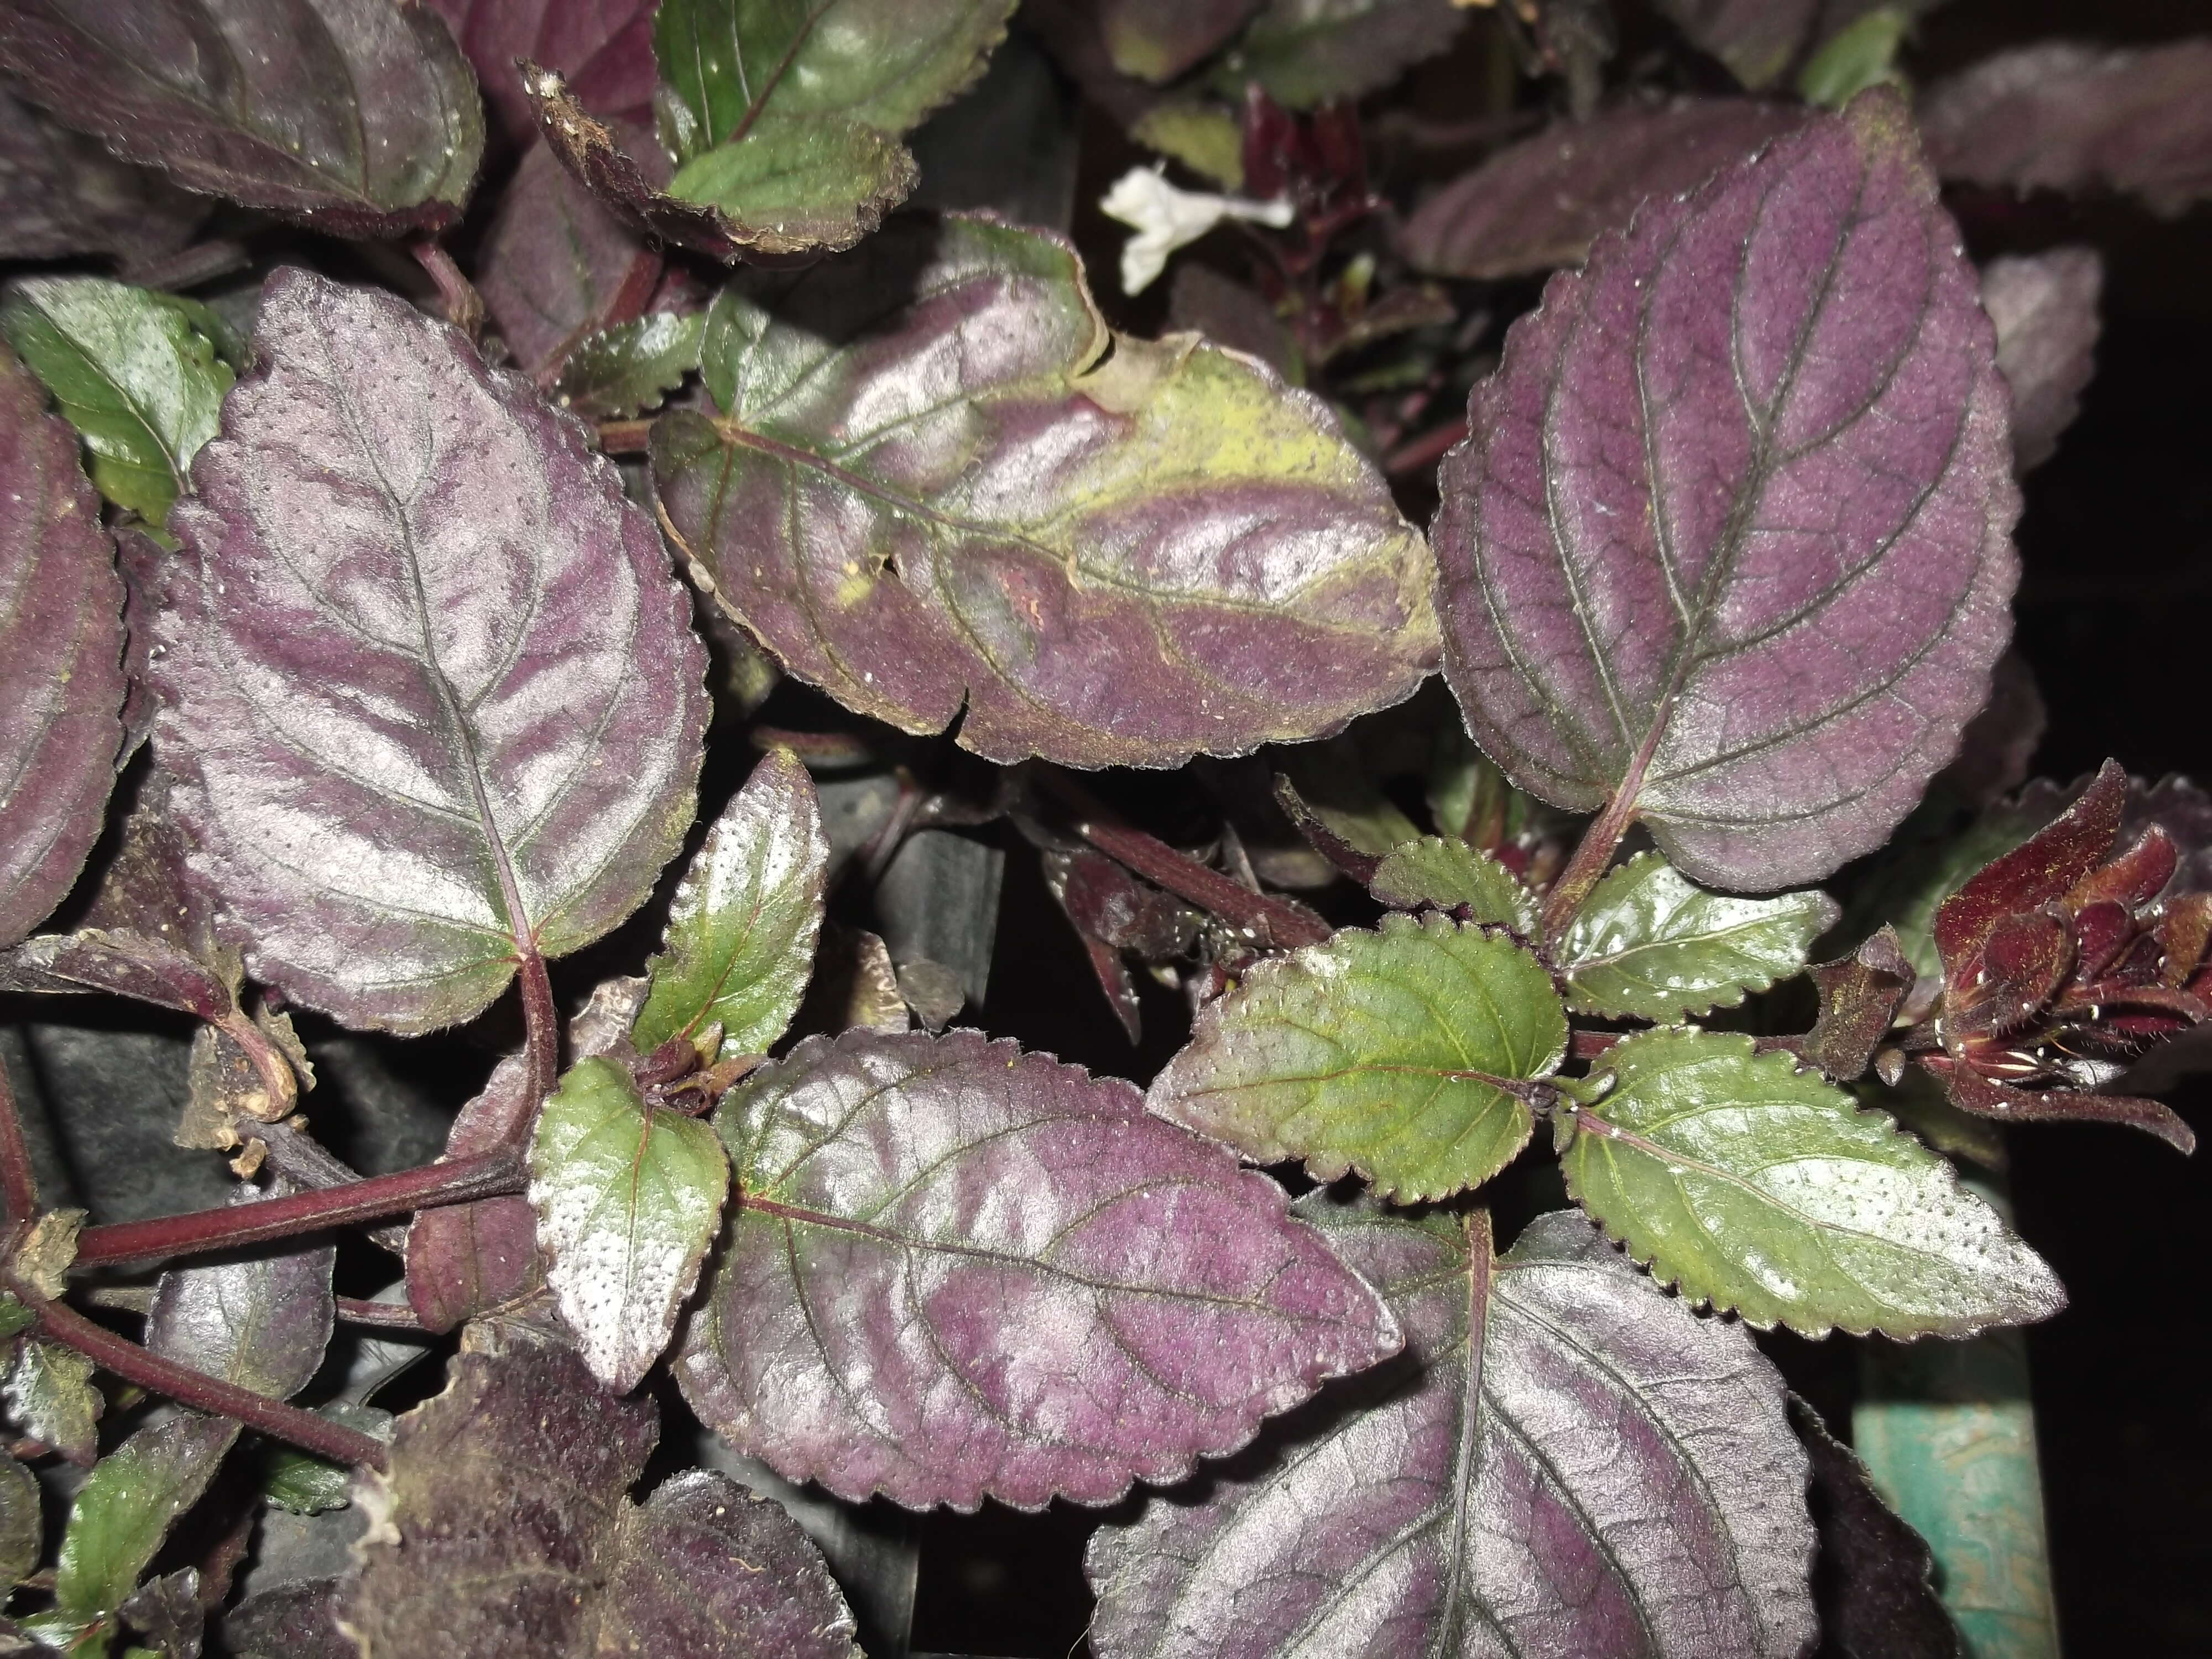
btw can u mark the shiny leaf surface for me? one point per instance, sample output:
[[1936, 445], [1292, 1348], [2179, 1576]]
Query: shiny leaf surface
[[1728, 546], [261, 1321], [630, 367], [51, 1398], [743, 925], [61, 658], [422, 627], [1541, 203], [1116, 559], [956, 1271], [2045, 306], [357, 116], [506, 1531], [2061, 116], [1445, 871], [1568, 1465], [1650, 944], [1764, 1191], [1402, 1054], [628, 1197], [142, 386]]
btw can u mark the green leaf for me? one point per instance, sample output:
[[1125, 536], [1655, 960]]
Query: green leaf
[[742, 928], [1206, 138], [630, 367], [1333, 785], [628, 1196], [122, 1511], [1399, 1054], [22, 1531], [1468, 796], [1862, 55], [785, 116], [14, 1317], [1651, 945], [141, 385], [1445, 871], [305, 1484], [51, 1398], [1764, 1191]]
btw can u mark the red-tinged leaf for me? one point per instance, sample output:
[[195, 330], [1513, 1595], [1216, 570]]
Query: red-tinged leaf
[[260, 1320], [466, 1259], [1571, 1465], [557, 265], [1728, 546], [2037, 873], [1860, 995], [955, 1271], [2045, 306], [1970, 1091], [1872, 1580], [1116, 557], [61, 195], [503, 1528], [2131, 878], [61, 657], [2063, 116], [604, 47], [357, 116], [1541, 201], [1158, 39], [433, 701]]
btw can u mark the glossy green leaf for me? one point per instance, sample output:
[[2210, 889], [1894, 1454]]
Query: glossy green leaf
[[1445, 871], [1108, 550], [1652, 944], [627, 1196], [122, 1511], [1401, 1054], [23, 1533], [140, 383], [743, 925], [630, 367], [51, 1398], [1766, 1192]]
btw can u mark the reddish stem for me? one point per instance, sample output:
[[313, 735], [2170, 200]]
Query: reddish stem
[[1592, 853], [187, 1387], [1418, 454], [465, 306], [456, 1181], [625, 437], [384, 1315], [541, 1052], [19, 1188]]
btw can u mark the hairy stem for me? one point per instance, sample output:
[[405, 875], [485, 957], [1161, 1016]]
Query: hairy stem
[[187, 1387], [301, 1158], [458, 1180], [541, 1053], [1592, 855], [19, 1188], [626, 437]]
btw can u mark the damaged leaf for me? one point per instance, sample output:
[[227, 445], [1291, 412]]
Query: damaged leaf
[[1202, 563], [419, 627], [955, 1271], [49, 1397], [1568, 1464], [1766, 1192], [1728, 547], [1406, 1054]]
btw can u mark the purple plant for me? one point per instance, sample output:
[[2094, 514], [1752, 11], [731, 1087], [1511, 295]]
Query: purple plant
[[684, 537]]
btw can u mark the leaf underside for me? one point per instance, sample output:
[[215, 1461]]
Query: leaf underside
[[1107, 559], [433, 699], [956, 1271], [1766, 1192], [1596, 1471], [1728, 542]]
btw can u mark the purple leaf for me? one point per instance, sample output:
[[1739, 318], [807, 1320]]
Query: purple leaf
[[557, 265], [61, 657], [1567, 1465], [466, 1259], [1114, 559], [955, 1271], [61, 194], [1860, 995], [1539, 202], [2063, 116], [260, 1320], [604, 47], [505, 1530], [1872, 1580], [1727, 548], [433, 700], [357, 116], [2045, 306], [1760, 41], [1158, 39]]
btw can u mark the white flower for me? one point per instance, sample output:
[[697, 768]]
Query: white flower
[[1166, 218]]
